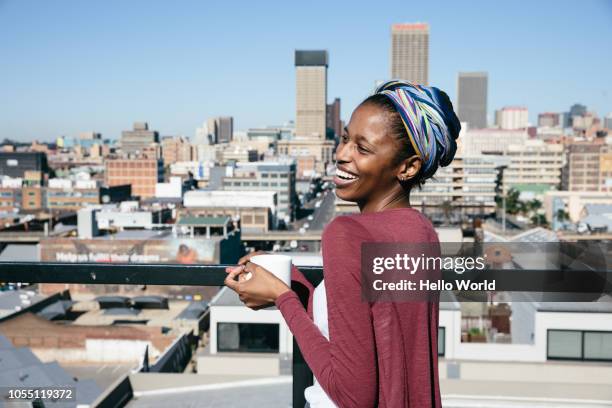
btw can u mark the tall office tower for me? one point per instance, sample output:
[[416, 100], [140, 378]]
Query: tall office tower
[[220, 129], [225, 129], [311, 93], [472, 99], [212, 130], [410, 52], [334, 124], [139, 139]]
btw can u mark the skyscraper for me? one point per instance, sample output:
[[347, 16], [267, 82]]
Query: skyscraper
[[219, 129], [472, 99], [410, 52], [225, 129], [333, 118], [311, 93]]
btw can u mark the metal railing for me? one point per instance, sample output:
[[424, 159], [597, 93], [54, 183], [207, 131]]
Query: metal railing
[[155, 274]]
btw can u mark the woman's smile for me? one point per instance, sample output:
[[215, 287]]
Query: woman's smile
[[343, 177]]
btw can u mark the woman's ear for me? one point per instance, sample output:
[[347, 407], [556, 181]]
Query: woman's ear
[[409, 168]]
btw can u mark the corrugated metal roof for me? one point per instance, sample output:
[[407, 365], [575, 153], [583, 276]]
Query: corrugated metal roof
[[196, 221]]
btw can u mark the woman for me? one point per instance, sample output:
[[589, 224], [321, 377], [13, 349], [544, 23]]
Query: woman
[[366, 354]]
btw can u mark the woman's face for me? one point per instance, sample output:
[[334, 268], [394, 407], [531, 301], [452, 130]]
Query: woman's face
[[366, 168]]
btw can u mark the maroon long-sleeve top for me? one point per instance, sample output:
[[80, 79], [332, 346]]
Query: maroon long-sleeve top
[[379, 354]]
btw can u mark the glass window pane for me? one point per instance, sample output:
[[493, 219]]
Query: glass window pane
[[564, 344], [441, 340], [598, 346], [248, 337]]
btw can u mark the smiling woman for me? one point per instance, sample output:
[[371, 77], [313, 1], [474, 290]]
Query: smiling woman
[[379, 354], [399, 136]]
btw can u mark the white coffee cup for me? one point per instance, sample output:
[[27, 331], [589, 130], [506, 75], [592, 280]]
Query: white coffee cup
[[279, 265]]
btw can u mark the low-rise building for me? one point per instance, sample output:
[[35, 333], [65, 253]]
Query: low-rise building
[[142, 174], [278, 176], [255, 211], [69, 195], [588, 167], [534, 167], [467, 184], [322, 150]]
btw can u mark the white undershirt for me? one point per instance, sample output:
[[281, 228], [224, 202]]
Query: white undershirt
[[316, 397]]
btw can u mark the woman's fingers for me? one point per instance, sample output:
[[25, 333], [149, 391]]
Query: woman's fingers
[[229, 279], [233, 268], [246, 258]]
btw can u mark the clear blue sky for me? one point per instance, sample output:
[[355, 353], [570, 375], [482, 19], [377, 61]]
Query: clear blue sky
[[72, 66]]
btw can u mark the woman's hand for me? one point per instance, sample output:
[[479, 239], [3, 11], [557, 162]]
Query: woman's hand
[[260, 290], [248, 256]]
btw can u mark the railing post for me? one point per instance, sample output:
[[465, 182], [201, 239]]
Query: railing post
[[302, 376]]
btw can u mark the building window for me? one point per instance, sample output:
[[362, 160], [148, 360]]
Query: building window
[[248, 337], [564, 344], [597, 346], [259, 219], [579, 345], [441, 341]]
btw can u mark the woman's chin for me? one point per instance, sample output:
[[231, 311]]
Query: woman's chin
[[345, 195]]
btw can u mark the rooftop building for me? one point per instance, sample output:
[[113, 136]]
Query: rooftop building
[[142, 174], [139, 139]]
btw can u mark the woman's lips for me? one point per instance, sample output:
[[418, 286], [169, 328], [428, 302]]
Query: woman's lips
[[340, 182]]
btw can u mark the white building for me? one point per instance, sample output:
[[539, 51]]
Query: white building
[[200, 170], [276, 176], [256, 210], [243, 341], [550, 331], [227, 198], [512, 117], [172, 189], [475, 142]]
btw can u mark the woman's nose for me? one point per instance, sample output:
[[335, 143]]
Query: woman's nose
[[342, 153]]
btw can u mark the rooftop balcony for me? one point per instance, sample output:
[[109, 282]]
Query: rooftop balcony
[[120, 393]]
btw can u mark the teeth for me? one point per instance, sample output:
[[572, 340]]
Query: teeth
[[344, 174]]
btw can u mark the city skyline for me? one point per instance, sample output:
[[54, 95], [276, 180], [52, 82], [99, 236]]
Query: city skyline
[[100, 67]]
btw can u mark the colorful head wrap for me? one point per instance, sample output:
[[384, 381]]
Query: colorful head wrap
[[429, 119]]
